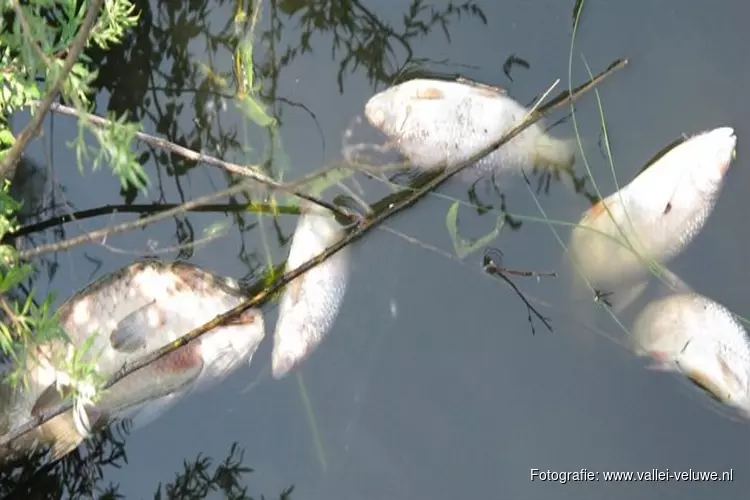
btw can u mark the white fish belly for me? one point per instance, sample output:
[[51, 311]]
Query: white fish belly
[[310, 304]]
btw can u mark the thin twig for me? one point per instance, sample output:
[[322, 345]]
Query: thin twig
[[491, 267], [362, 228], [143, 208], [127, 226], [251, 172], [33, 126]]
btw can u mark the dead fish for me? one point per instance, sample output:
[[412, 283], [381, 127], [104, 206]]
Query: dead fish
[[131, 313], [655, 216], [435, 123], [310, 303], [700, 339]]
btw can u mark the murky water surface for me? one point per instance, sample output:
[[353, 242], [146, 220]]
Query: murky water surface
[[430, 384]]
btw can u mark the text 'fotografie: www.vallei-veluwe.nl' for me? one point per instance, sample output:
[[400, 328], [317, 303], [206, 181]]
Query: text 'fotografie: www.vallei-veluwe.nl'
[[563, 477]]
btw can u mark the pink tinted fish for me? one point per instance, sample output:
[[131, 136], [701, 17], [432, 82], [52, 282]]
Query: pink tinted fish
[[700, 339], [131, 313]]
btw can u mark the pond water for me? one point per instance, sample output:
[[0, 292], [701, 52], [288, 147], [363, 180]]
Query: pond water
[[430, 384]]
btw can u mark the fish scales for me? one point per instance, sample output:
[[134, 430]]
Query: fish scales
[[693, 335], [158, 302], [309, 305], [656, 215], [436, 123]]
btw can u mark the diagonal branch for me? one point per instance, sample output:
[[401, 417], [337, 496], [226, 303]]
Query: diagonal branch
[[407, 199], [244, 171]]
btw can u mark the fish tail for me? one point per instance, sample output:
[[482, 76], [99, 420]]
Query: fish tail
[[63, 435], [289, 349], [64, 445], [282, 363], [552, 153]]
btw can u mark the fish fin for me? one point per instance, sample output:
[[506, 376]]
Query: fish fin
[[706, 385], [152, 410], [62, 431], [595, 211], [729, 375], [429, 93], [666, 149], [65, 439], [660, 365], [295, 289], [490, 92], [552, 153], [282, 363], [172, 373], [247, 317], [623, 300], [49, 398], [130, 333], [483, 88], [674, 282]]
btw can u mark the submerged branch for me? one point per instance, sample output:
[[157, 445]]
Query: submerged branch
[[146, 209], [127, 226], [394, 204]]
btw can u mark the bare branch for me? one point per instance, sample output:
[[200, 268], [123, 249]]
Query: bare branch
[[395, 204], [141, 208], [251, 172], [127, 226]]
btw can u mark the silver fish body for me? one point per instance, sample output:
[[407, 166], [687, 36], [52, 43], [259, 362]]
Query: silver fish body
[[700, 339], [438, 123], [655, 216], [310, 303], [131, 313]]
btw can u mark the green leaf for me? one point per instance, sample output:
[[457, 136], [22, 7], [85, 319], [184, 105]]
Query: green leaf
[[460, 245], [330, 178], [577, 8], [254, 110], [6, 137], [14, 276]]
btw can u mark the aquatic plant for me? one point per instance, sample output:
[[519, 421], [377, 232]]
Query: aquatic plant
[[42, 57]]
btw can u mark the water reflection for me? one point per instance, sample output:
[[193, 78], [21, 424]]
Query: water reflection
[[83, 474], [454, 400], [154, 79]]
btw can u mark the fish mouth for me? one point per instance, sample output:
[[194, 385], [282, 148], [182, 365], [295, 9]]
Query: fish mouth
[[725, 141], [374, 114]]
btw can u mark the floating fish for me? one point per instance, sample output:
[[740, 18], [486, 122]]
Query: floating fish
[[436, 123], [131, 313], [655, 216], [310, 303], [701, 339]]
